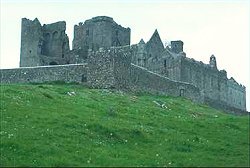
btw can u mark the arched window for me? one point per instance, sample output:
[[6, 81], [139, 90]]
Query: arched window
[[47, 37], [55, 35]]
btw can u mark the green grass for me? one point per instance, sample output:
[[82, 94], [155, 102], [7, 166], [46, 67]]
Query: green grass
[[42, 125]]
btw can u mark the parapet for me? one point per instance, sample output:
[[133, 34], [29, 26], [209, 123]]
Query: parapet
[[233, 83]]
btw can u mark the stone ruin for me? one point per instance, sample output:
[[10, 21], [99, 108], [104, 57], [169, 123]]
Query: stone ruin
[[49, 44], [102, 57]]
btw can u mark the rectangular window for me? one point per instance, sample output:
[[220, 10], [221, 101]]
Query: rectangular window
[[165, 63]]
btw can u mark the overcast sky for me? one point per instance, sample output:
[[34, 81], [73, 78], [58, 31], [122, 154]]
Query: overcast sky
[[205, 26]]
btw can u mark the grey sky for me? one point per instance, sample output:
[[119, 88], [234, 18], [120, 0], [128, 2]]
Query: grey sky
[[206, 27]]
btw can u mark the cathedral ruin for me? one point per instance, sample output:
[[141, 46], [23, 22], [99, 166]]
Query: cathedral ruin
[[102, 57]]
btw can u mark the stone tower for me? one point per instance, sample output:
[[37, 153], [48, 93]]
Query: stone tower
[[177, 46], [31, 37], [101, 31]]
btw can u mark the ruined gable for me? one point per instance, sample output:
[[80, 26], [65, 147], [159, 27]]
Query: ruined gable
[[154, 46], [43, 45], [56, 41]]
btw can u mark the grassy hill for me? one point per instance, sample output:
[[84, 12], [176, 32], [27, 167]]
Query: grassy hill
[[71, 125]]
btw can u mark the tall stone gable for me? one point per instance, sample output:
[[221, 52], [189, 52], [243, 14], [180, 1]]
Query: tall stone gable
[[154, 46], [100, 32]]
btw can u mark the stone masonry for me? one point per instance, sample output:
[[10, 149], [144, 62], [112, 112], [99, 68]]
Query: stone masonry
[[43, 45], [102, 57], [172, 63]]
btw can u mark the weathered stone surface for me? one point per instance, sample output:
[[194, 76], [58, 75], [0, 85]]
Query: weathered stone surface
[[43, 45], [101, 69], [67, 73], [100, 31], [145, 80], [113, 69], [31, 42], [177, 46], [173, 63], [113, 63]]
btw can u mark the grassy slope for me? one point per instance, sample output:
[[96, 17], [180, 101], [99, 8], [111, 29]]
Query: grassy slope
[[41, 125]]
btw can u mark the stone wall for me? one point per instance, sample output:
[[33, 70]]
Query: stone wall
[[122, 66], [144, 80], [216, 86], [109, 68], [113, 69], [101, 69], [204, 77], [225, 106], [214, 83], [68, 73], [236, 94]]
